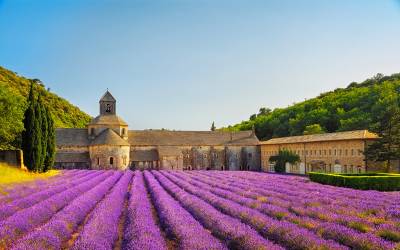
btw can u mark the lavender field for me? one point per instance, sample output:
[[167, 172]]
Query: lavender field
[[83, 209]]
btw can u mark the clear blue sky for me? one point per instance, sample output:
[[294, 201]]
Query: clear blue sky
[[183, 64]]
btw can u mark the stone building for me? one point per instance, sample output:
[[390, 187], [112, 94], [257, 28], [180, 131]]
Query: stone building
[[339, 152], [107, 143]]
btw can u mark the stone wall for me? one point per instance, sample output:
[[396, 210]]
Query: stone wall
[[13, 158], [208, 158], [109, 157], [330, 156]]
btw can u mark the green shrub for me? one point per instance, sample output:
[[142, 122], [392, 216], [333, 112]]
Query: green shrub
[[369, 181]]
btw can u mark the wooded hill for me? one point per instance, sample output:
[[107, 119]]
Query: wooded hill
[[14, 91], [358, 106]]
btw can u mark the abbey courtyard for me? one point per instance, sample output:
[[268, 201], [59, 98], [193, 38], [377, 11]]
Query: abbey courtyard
[[108, 143]]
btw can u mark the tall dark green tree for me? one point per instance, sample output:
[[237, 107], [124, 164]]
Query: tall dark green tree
[[213, 128], [28, 132], [37, 144], [51, 138], [44, 133], [387, 148]]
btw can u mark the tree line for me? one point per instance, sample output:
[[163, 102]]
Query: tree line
[[38, 136], [14, 91], [372, 104]]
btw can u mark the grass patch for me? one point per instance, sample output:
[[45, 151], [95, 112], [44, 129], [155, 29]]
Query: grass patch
[[11, 175]]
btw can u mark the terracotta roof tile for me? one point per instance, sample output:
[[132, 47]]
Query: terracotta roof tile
[[190, 138], [338, 136], [109, 137], [72, 137], [108, 120]]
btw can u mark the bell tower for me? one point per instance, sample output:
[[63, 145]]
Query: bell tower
[[107, 104]]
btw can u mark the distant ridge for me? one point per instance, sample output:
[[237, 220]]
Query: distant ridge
[[13, 92]]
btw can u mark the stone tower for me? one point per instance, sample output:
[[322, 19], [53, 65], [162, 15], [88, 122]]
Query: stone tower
[[108, 135], [107, 104]]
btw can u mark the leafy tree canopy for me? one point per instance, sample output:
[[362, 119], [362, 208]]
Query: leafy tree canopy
[[359, 106], [14, 91]]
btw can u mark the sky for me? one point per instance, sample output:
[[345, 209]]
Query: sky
[[181, 64]]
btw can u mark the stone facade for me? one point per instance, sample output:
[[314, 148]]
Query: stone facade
[[340, 152], [107, 143], [12, 158]]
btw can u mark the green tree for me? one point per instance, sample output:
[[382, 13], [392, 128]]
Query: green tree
[[387, 148], [313, 129], [264, 111], [11, 116], [213, 128], [44, 133], [28, 132], [282, 157], [37, 137], [51, 147]]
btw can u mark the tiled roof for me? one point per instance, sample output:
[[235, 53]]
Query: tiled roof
[[107, 97], [72, 137], [190, 138], [79, 137], [338, 136], [144, 155], [109, 137], [108, 120]]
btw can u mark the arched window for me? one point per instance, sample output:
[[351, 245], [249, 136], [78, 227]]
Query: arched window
[[111, 160]]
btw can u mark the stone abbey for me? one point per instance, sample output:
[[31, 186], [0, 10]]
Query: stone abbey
[[107, 143]]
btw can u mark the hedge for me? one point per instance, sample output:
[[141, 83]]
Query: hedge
[[369, 181]]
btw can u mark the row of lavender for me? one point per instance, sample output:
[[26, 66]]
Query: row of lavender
[[195, 210]]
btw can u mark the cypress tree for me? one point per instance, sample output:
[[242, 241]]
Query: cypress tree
[[27, 134], [37, 137], [44, 134], [50, 150]]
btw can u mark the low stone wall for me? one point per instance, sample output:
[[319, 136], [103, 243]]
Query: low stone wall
[[13, 158]]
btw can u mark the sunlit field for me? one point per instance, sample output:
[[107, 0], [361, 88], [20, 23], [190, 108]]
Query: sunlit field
[[87, 209], [9, 176]]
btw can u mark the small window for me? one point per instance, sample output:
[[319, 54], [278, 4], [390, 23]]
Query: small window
[[92, 131], [330, 151], [352, 152], [98, 161], [108, 108], [123, 131], [111, 160]]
